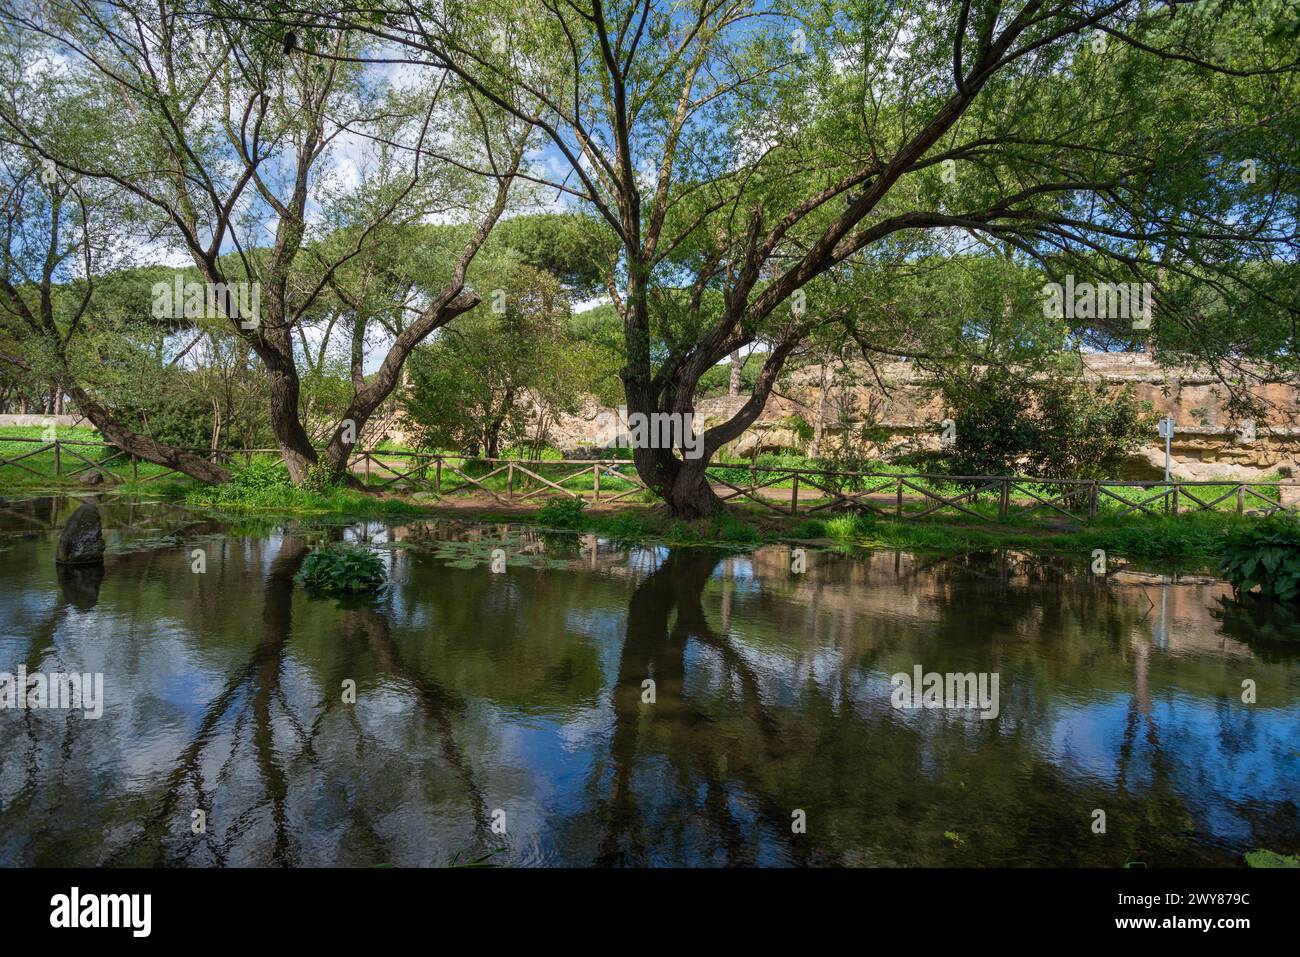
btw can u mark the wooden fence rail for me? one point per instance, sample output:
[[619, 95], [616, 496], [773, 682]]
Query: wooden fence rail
[[907, 496]]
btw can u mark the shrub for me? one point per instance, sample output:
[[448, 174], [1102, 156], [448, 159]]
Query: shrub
[[993, 428], [1264, 556], [262, 480], [343, 571], [562, 513], [1052, 428]]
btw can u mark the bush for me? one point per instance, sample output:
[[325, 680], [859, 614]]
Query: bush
[[1264, 556], [343, 571], [562, 513], [1057, 428], [264, 485], [993, 427]]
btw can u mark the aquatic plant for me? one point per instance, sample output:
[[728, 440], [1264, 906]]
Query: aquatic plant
[[1266, 557], [343, 571]]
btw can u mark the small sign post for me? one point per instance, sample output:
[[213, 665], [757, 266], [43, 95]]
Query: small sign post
[[1167, 433]]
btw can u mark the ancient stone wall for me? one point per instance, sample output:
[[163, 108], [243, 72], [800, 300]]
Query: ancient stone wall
[[1209, 443]]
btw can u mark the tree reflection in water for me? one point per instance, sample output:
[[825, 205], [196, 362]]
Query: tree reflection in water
[[523, 691]]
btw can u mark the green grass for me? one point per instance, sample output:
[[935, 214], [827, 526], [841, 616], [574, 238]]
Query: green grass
[[264, 486], [44, 463]]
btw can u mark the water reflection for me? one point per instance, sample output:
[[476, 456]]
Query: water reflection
[[521, 697]]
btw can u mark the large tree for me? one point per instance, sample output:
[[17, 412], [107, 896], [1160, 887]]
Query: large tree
[[755, 158], [232, 140]]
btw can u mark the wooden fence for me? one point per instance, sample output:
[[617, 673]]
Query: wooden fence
[[906, 496]]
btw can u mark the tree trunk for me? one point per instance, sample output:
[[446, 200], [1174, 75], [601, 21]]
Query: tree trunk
[[691, 496], [682, 483], [143, 447], [295, 445], [451, 303], [736, 365], [818, 425], [215, 443]]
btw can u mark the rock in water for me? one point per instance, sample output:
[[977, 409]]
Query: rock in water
[[82, 541]]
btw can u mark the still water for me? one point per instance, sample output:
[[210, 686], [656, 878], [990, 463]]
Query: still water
[[515, 701]]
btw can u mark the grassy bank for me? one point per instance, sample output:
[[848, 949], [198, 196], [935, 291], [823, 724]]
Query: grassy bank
[[263, 487]]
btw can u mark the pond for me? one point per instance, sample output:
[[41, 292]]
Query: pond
[[587, 702]]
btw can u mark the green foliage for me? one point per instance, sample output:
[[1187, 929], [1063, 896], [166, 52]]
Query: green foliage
[[624, 527], [264, 486], [343, 571], [1081, 431], [320, 478], [484, 381], [259, 475], [726, 527], [722, 527], [1047, 427], [717, 379], [562, 513], [1189, 536], [1264, 556], [744, 474], [575, 248], [809, 528], [1262, 858]]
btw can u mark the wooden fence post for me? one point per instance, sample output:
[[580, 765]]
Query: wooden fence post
[[58, 463], [1092, 501], [898, 500], [510, 480], [135, 468], [1241, 498], [1004, 500], [595, 480], [437, 475], [794, 495]]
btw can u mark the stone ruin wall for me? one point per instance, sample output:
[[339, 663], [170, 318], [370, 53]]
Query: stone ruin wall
[[1208, 442]]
